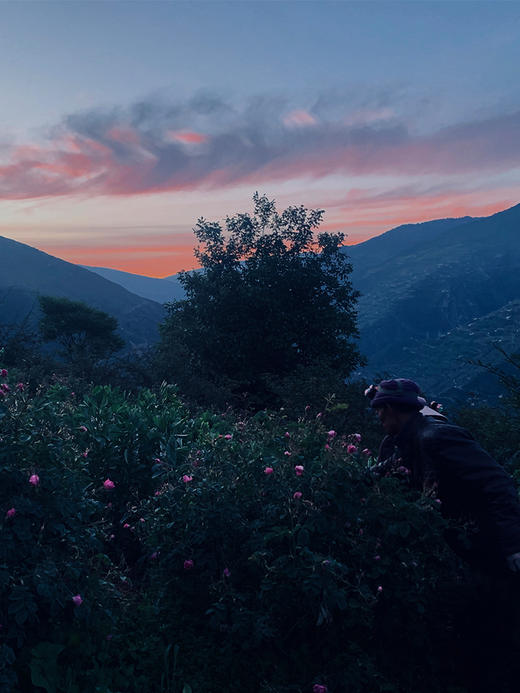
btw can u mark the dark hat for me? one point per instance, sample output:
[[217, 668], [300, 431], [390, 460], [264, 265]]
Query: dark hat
[[396, 391]]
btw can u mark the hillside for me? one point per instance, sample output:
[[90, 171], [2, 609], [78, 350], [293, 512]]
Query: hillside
[[433, 296], [446, 364], [26, 272], [456, 272], [422, 287], [158, 290]]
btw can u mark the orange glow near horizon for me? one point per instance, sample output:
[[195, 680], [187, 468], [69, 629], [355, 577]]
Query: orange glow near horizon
[[359, 219], [152, 261]]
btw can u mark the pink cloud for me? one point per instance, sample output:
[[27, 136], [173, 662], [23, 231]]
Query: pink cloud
[[299, 118], [365, 213], [124, 135], [128, 155], [189, 137]]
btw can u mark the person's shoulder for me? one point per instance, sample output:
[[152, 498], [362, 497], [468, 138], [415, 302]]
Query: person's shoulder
[[432, 430]]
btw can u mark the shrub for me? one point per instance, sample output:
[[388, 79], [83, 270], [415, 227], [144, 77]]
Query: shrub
[[152, 550]]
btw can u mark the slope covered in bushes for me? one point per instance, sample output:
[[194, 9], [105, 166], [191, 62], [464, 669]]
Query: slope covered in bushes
[[148, 549]]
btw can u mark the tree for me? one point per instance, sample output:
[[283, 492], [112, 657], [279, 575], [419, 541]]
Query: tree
[[85, 334], [273, 297]]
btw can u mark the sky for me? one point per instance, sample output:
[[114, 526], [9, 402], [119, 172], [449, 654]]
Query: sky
[[122, 123]]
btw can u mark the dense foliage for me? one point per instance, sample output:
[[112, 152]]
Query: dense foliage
[[147, 549], [273, 298], [84, 334]]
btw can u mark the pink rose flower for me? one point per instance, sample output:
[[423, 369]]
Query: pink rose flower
[[297, 495], [366, 452], [153, 556], [5, 387], [34, 479], [357, 437], [379, 589], [351, 449], [3, 373], [319, 415], [126, 526], [298, 469], [85, 454], [20, 387], [287, 434], [327, 447], [188, 564], [10, 513], [83, 429], [226, 572], [108, 483], [403, 470], [268, 470], [377, 558], [228, 436], [287, 453], [187, 479], [318, 688], [331, 434], [77, 599]]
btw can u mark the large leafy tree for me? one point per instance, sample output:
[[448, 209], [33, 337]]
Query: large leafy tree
[[274, 296], [85, 334]]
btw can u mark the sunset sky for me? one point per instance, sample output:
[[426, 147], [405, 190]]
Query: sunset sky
[[121, 123]]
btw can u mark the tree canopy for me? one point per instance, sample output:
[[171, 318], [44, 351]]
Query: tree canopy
[[84, 333], [274, 296]]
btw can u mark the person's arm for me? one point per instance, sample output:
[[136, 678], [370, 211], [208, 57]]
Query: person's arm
[[385, 458]]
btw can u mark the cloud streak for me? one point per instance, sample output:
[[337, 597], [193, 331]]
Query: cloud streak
[[209, 142]]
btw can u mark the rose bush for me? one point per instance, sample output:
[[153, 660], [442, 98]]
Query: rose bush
[[148, 549]]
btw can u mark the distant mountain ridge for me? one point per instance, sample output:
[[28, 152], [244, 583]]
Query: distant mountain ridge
[[26, 273], [464, 271], [158, 290], [434, 295]]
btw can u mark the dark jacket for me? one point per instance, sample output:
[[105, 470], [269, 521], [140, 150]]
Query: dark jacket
[[446, 460]]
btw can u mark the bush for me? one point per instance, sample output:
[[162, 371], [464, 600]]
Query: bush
[[300, 569], [201, 544]]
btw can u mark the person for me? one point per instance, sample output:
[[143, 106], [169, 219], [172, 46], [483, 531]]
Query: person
[[480, 502], [444, 459]]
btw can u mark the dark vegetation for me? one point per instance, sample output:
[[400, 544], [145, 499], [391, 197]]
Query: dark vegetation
[[274, 300], [199, 518]]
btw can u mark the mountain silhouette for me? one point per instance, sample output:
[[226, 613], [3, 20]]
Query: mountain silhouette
[[26, 273]]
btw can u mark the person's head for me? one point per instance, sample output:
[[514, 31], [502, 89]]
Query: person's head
[[395, 402]]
